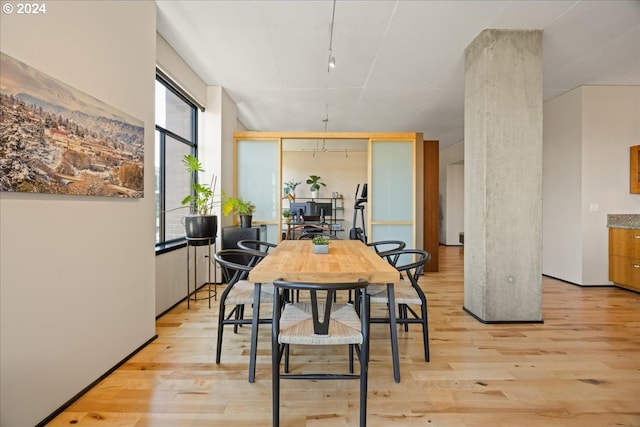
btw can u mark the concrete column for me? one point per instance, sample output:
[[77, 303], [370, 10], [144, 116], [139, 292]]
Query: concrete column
[[503, 176]]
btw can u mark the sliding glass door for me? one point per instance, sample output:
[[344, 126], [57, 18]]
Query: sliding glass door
[[258, 180], [392, 192]]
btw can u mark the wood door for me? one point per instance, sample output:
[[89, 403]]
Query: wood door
[[431, 202]]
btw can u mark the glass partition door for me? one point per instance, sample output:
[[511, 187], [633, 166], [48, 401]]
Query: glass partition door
[[392, 200], [258, 180]]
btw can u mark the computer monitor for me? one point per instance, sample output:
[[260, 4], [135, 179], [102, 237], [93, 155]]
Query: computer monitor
[[320, 209], [298, 208], [311, 211]]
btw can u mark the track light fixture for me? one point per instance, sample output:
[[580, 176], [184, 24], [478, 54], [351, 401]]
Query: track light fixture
[[332, 59]]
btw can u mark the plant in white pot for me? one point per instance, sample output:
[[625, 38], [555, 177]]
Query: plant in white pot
[[201, 223], [320, 245], [237, 206], [315, 183]]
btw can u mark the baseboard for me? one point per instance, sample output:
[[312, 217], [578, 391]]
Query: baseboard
[[498, 322], [93, 384]]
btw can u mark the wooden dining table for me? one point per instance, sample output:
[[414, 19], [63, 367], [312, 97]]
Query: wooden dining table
[[347, 261]]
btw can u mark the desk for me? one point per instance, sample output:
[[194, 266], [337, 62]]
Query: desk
[[347, 261]]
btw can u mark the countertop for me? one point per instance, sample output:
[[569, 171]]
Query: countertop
[[631, 221]]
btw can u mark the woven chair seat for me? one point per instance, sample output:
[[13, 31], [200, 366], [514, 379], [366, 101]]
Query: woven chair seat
[[296, 325], [404, 293], [242, 293]]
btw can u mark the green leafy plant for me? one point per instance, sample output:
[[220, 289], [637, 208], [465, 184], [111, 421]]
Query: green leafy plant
[[286, 213], [236, 205], [320, 240], [292, 184], [314, 181], [201, 199]]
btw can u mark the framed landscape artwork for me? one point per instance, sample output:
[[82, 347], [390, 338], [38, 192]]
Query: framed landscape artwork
[[57, 139]]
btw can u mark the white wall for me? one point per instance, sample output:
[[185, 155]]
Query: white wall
[[587, 135], [77, 278], [610, 125], [216, 126], [171, 267], [170, 62], [454, 204], [226, 119], [451, 215], [562, 187], [340, 173]]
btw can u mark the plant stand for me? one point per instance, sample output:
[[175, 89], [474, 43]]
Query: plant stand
[[194, 242]]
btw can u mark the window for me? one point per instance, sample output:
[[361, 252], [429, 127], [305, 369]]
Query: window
[[176, 125]]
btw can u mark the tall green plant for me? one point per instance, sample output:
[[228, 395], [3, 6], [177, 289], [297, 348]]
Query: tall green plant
[[201, 198]]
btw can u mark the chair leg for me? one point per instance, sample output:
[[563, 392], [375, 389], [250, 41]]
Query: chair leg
[[238, 314], [425, 332], [364, 369], [405, 316], [254, 332], [393, 331], [286, 358], [275, 378], [220, 330], [351, 358]]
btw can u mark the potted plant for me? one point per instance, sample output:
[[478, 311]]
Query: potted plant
[[320, 245], [286, 214], [291, 185], [240, 207], [200, 223], [315, 183]]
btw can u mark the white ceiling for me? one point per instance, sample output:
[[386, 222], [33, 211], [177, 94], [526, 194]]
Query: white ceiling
[[400, 64]]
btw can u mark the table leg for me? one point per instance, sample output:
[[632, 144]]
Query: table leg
[[254, 332], [393, 331]]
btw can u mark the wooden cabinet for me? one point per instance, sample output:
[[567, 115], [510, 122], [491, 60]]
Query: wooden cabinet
[[624, 257], [634, 170]]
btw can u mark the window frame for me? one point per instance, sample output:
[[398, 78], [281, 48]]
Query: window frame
[[162, 245]]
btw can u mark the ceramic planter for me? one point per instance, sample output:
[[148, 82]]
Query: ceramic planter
[[320, 249], [201, 226], [245, 221]]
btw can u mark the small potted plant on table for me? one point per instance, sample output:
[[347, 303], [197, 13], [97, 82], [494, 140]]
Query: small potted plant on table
[[320, 245]]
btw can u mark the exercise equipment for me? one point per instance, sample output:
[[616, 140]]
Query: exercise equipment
[[359, 233]]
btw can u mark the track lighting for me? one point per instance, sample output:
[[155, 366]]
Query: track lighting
[[332, 59]]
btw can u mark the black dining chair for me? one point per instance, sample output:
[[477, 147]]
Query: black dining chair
[[239, 293], [319, 322], [384, 247], [257, 245], [408, 295]]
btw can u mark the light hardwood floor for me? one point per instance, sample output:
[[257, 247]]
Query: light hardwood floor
[[580, 368]]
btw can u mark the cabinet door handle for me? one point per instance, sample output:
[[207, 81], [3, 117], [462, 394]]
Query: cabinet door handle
[[635, 237], [635, 265]]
